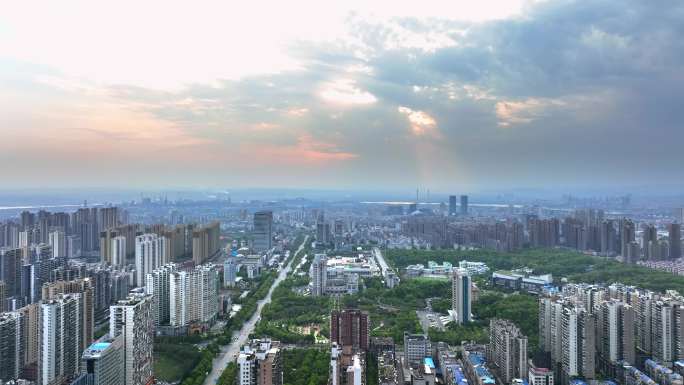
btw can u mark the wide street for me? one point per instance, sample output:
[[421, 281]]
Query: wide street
[[228, 352]]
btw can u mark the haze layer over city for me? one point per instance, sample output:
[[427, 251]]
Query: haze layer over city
[[341, 193]]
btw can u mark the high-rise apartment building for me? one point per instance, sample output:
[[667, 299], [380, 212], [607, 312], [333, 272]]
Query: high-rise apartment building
[[133, 320], [229, 272], [205, 242], [578, 343], [118, 251], [350, 327], [627, 236], [10, 346], [461, 290], [615, 334], [263, 231], [31, 339], [3, 295], [57, 239], [193, 295], [323, 233], [10, 270], [103, 362], [260, 363], [60, 342], [149, 255], [507, 350], [158, 285], [649, 242], [319, 274], [675, 239], [86, 309]]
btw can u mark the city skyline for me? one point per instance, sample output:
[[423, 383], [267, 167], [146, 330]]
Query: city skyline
[[503, 94]]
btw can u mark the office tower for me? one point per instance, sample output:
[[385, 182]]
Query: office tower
[[157, 285], [103, 362], [10, 270], [675, 239], [461, 290], [205, 242], [263, 231], [350, 327], [85, 288], [57, 240], [627, 236], [3, 295], [229, 273], [416, 348], [577, 343], [118, 251], [323, 233], [615, 334], [319, 274], [31, 339], [260, 363], [507, 350], [452, 205], [60, 353], [464, 205], [10, 346], [193, 296], [132, 318], [149, 251]]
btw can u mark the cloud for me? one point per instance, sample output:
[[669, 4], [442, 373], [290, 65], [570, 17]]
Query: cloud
[[422, 124], [577, 84], [345, 92], [513, 112]]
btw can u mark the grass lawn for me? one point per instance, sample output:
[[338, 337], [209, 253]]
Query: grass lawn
[[173, 361]]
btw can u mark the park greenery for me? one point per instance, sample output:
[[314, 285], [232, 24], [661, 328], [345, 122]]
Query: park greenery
[[305, 367], [562, 263]]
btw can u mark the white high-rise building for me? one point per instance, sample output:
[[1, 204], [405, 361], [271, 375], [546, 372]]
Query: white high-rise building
[[118, 250], [319, 274], [193, 295], [57, 239], [60, 353], [132, 318], [158, 285], [149, 255], [616, 332], [461, 290]]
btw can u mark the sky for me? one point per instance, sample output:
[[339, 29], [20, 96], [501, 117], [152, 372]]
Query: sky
[[448, 95]]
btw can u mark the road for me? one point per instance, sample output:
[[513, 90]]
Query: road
[[230, 350]]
